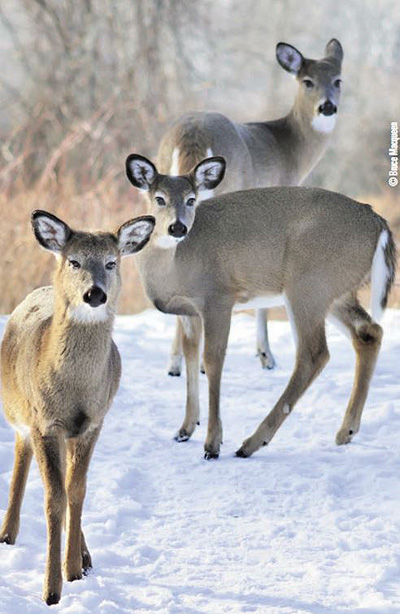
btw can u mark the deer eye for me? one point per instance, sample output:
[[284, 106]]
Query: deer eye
[[190, 202], [111, 265], [160, 201], [337, 83], [308, 83], [74, 264]]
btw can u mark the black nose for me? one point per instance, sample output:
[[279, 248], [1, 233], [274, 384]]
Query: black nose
[[328, 108], [177, 230], [95, 296]]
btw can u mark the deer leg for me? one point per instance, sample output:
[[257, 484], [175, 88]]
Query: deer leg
[[366, 337], [216, 332], [22, 461], [50, 455], [176, 355], [79, 453], [263, 349], [191, 336], [311, 357], [86, 558]]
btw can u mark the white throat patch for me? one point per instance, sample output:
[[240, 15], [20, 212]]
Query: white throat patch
[[167, 242], [324, 123], [86, 314]]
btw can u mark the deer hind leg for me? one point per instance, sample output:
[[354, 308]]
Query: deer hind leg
[[263, 349], [366, 337], [176, 354], [191, 337], [77, 556], [311, 357], [50, 455], [22, 462]]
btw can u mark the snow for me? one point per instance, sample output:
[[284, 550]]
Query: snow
[[302, 527]]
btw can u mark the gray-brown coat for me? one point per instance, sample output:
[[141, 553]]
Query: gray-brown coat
[[60, 370]]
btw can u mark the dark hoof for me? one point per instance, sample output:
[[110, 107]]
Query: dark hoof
[[86, 562], [241, 453], [211, 455], [6, 539], [53, 598], [267, 361], [180, 437], [174, 373]]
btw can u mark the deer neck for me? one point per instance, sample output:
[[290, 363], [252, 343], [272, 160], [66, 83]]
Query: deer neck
[[76, 344], [310, 136], [158, 265]]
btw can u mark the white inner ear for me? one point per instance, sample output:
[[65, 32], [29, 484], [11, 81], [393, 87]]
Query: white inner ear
[[290, 58], [142, 172], [52, 233], [208, 171], [131, 236]]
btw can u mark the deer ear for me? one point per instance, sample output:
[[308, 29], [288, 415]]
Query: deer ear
[[334, 49], [140, 171], [51, 232], [289, 58], [133, 235], [209, 173]]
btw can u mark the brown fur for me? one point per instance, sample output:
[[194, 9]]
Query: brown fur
[[258, 154], [60, 370], [314, 247]]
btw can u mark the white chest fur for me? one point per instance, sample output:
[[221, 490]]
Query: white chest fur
[[261, 302]]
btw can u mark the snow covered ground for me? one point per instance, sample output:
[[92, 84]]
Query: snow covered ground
[[302, 527]]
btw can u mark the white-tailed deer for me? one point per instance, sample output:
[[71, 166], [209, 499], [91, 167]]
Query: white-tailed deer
[[60, 370], [311, 247], [271, 153]]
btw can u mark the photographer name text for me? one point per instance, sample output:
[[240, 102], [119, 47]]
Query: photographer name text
[[394, 155]]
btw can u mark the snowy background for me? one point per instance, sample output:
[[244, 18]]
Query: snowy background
[[302, 527]]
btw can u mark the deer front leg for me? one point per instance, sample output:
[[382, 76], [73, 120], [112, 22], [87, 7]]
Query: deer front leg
[[263, 350], [22, 461], [86, 558], [216, 331], [191, 335], [50, 455], [176, 355], [77, 556], [312, 356]]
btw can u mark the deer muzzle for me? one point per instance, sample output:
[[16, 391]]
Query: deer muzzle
[[95, 296], [177, 230], [327, 108]]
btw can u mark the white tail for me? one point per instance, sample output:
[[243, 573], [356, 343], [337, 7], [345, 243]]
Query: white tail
[[380, 276]]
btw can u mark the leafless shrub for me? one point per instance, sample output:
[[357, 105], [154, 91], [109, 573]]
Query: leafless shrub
[[85, 83]]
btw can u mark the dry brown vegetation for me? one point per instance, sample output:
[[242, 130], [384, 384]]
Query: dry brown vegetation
[[86, 83], [25, 266]]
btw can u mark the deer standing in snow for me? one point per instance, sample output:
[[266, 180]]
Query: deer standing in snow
[[60, 370], [309, 247], [261, 154]]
